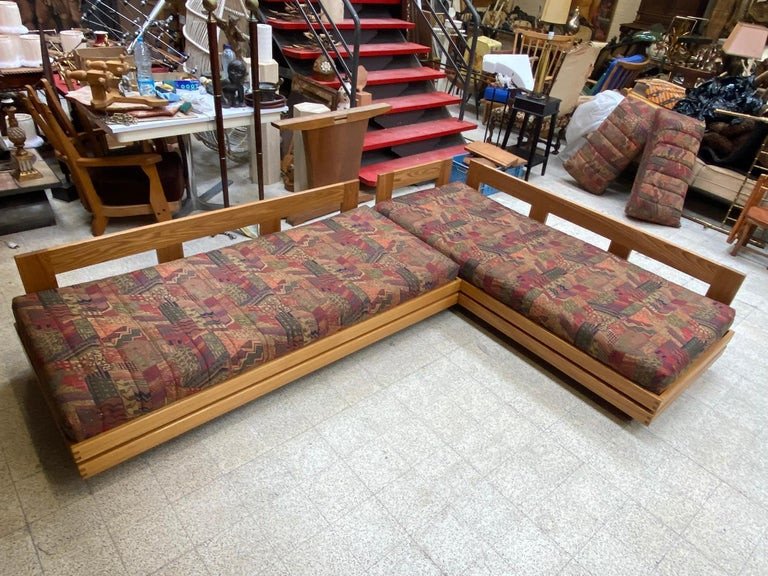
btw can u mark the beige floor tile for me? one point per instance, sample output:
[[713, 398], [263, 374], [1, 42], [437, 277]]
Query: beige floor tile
[[93, 553], [406, 559], [209, 510], [241, 549], [188, 564], [19, 555], [147, 545], [727, 529]]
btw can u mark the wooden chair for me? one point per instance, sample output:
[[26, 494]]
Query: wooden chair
[[621, 74], [689, 77], [753, 215], [546, 55], [113, 186]]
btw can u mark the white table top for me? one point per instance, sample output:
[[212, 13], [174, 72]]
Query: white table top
[[186, 124], [180, 124]]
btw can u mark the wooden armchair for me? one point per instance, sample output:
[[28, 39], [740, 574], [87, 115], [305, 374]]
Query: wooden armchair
[[113, 186], [689, 77], [753, 215]]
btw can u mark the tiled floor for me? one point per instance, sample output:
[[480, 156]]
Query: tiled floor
[[441, 450]]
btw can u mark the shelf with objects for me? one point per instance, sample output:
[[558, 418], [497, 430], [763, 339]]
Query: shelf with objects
[[734, 147], [24, 176]]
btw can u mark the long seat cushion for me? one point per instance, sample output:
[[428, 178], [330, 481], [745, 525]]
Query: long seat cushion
[[644, 327], [666, 169], [610, 149], [114, 349]]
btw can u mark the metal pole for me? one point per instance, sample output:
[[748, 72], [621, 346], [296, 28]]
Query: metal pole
[[46, 60], [253, 7], [213, 51]]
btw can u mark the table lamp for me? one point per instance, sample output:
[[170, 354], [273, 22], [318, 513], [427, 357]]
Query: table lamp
[[553, 12], [746, 41]]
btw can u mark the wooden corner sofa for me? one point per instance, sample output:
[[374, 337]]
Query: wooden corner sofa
[[131, 361]]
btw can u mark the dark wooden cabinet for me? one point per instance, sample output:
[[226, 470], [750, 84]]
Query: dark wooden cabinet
[[662, 11]]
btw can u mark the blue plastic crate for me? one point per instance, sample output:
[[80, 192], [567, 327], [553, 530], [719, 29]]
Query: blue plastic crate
[[459, 173]]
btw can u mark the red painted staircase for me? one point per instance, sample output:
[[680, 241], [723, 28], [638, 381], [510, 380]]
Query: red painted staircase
[[419, 127]]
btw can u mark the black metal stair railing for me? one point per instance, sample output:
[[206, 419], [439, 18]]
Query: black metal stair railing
[[329, 39], [455, 43]]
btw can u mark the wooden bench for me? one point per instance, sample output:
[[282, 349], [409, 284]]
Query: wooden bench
[[112, 411], [94, 454], [637, 401]]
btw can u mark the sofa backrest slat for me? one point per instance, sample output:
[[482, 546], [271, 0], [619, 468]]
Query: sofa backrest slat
[[438, 171], [723, 281], [38, 269]]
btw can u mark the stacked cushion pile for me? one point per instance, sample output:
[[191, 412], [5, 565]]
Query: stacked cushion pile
[[666, 169], [669, 142]]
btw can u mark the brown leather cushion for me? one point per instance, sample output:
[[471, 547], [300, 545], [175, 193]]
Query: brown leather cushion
[[130, 185]]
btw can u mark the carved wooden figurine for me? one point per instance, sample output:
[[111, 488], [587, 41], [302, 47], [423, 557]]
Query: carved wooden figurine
[[104, 80]]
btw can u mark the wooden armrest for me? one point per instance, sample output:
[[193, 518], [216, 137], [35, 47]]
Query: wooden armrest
[[117, 161]]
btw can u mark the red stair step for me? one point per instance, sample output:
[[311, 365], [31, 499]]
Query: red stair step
[[388, 137], [420, 101], [365, 24], [369, 174], [366, 50], [396, 76]]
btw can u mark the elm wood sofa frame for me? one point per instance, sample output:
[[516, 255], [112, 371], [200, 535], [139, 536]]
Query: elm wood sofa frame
[[636, 401], [38, 271]]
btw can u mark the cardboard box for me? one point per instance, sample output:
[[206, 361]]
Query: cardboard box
[[180, 80]]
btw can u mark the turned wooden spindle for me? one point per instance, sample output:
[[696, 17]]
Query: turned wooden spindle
[[213, 52], [253, 7]]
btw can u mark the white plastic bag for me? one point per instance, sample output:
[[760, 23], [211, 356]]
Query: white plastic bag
[[587, 118]]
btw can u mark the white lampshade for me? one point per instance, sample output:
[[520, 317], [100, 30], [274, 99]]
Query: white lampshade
[[70, 39], [555, 11], [746, 40], [9, 52], [31, 52], [10, 19]]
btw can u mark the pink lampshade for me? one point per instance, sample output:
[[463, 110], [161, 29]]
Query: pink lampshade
[[746, 40]]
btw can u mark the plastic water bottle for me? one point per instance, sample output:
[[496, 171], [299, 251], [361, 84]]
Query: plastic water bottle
[[227, 56], [144, 68]]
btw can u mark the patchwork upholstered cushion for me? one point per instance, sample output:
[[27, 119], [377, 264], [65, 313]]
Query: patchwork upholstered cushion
[[114, 349], [666, 169], [644, 327], [609, 149]]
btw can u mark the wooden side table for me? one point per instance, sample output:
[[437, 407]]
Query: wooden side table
[[24, 205], [538, 108]]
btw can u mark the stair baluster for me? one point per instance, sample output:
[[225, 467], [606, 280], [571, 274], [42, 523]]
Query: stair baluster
[[323, 35], [454, 52]]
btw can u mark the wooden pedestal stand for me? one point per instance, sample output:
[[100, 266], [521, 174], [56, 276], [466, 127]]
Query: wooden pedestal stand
[[333, 145]]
